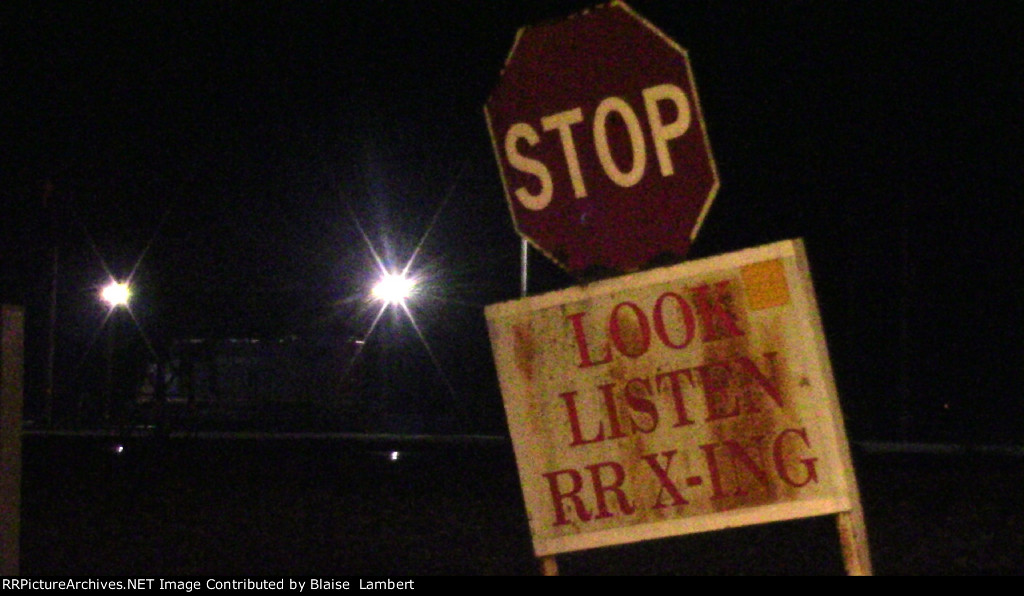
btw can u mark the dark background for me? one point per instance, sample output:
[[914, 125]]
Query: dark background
[[333, 508], [225, 155]]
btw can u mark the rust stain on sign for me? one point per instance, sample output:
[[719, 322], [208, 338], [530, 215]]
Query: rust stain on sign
[[740, 380], [524, 349]]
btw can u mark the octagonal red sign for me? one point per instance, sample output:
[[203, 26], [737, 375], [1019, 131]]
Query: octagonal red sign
[[600, 141]]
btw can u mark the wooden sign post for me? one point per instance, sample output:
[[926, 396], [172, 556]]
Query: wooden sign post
[[12, 322]]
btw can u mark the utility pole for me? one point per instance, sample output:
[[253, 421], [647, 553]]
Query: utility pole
[[51, 339], [906, 275]]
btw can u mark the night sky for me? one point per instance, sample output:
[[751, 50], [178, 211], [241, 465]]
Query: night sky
[[236, 156]]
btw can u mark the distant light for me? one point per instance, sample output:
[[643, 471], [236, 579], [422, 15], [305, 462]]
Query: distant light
[[116, 294], [394, 456], [118, 448], [393, 288]]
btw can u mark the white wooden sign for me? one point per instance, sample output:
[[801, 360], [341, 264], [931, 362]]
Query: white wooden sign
[[678, 400]]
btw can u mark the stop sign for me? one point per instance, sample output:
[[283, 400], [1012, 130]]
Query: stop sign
[[600, 141]]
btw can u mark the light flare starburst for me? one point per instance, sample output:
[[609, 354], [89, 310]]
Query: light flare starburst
[[116, 294], [394, 288]]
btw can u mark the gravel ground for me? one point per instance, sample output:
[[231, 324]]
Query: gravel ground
[[205, 507]]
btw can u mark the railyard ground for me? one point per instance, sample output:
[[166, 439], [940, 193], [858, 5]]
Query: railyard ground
[[333, 507]]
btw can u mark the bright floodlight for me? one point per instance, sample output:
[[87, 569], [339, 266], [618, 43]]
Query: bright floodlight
[[393, 288], [116, 294]]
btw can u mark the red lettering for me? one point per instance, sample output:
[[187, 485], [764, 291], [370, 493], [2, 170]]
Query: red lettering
[[714, 472], [725, 382], [663, 478], [714, 377], [558, 496], [629, 329], [637, 342], [729, 387], [574, 422], [752, 372], [741, 456], [689, 323], [752, 459], [581, 343], [780, 465], [682, 418], [614, 487], [715, 316], [612, 408], [636, 393]]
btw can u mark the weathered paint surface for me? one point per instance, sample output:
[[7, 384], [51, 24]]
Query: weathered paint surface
[[678, 400]]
